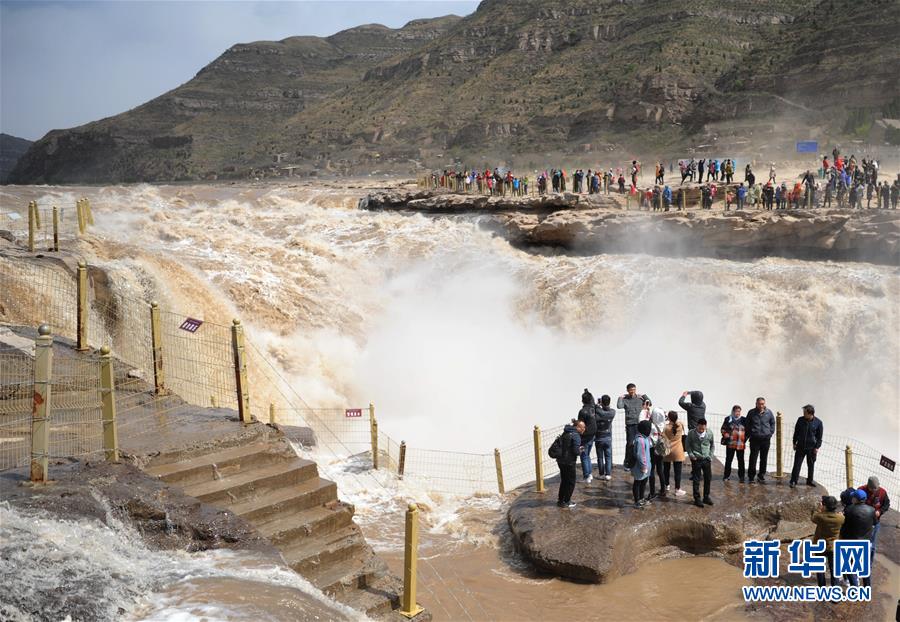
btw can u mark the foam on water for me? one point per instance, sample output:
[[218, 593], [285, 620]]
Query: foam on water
[[93, 570]]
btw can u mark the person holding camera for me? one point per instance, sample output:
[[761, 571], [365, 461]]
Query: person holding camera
[[828, 527]]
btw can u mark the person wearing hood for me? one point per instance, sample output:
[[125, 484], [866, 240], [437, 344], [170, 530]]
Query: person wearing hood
[[657, 419], [632, 404], [587, 416], [603, 439], [571, 447], [807, 441], [696, 408], [641, 449]]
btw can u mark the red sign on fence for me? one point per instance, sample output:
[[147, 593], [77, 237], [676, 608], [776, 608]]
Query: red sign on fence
[[353, 412], [888, 463], [191, 325]]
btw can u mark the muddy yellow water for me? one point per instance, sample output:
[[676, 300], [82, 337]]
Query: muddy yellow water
[[462, 581]]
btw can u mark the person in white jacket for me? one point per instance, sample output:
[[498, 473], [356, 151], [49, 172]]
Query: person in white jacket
[[657, 419]]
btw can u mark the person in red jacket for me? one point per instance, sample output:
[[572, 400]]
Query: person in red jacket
[[877, 497]]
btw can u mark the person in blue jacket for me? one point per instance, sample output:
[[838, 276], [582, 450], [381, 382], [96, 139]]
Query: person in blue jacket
[[640, 468], [807, 441]]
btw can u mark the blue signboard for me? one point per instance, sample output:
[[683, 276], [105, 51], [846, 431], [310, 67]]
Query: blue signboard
[[807, 146]]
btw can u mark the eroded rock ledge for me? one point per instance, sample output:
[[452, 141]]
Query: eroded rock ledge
[[599, 224], [604, 537]]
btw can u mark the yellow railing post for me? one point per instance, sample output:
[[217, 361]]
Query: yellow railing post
[[108, 400], [272, 413], [159, 375], [55, 229], [81, 308], [779, 447], [31, 226], [409, 607], [79, 212], [88, 211], [499, 466], [538, 461], [212, 401], [37, 215], [240, 371], [40, 409], [848, 462], [373, 428], [401, 465]]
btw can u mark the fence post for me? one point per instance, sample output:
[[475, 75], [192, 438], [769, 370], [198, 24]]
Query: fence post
[[538, 461], [401, 465], [159, 376], [40, 409], [628, 201], [108, 397], [31, 226], [55, 229], [240, 371], [373, 428], [409, 607], [82, 308], [79, 211], [779, 448], [683, 200], [499, 466], [848, 462], [88, 212], [272, 413]]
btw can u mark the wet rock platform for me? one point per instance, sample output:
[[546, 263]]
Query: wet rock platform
[[604, 536]]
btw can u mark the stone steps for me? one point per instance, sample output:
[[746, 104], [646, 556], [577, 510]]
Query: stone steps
[[287, 502], [216, 465], [288, 526], [308, 554], [304, 495], [351, 574], [245, 484]]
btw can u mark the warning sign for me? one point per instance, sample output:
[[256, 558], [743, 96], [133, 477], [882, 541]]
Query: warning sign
[[191, 325], [353, 412], [888, 463]]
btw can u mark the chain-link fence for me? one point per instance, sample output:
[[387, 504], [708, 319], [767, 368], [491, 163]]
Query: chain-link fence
[[194, 362]]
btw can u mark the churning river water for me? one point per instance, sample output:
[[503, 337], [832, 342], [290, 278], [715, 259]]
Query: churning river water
[[465, 342]]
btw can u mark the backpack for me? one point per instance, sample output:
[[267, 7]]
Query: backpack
[[661, 446], [561, 448]]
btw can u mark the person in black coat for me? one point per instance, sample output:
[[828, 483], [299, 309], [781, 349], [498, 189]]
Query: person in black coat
[[807, 441]]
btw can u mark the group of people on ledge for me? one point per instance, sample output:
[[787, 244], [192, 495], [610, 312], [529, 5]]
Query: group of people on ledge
[[657, 445]]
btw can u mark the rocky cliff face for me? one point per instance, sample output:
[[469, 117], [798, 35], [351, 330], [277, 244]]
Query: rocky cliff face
[[11, 149], [600, 224], [523, 78]]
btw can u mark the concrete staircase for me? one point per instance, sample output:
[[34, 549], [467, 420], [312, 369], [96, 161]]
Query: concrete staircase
[[282, 496]]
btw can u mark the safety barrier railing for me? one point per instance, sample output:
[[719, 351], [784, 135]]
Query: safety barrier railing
[[164, 359], [43, 227]]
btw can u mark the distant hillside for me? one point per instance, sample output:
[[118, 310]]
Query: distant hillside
[[517, 77], [11, 149]]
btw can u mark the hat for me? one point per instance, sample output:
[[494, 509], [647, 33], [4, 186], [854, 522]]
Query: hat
[[861, 495]]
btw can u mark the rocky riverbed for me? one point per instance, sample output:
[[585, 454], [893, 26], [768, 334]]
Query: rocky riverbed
[[597, 224]]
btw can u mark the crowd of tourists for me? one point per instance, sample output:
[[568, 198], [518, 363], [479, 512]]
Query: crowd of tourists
[[839, 182], [658, 443]]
